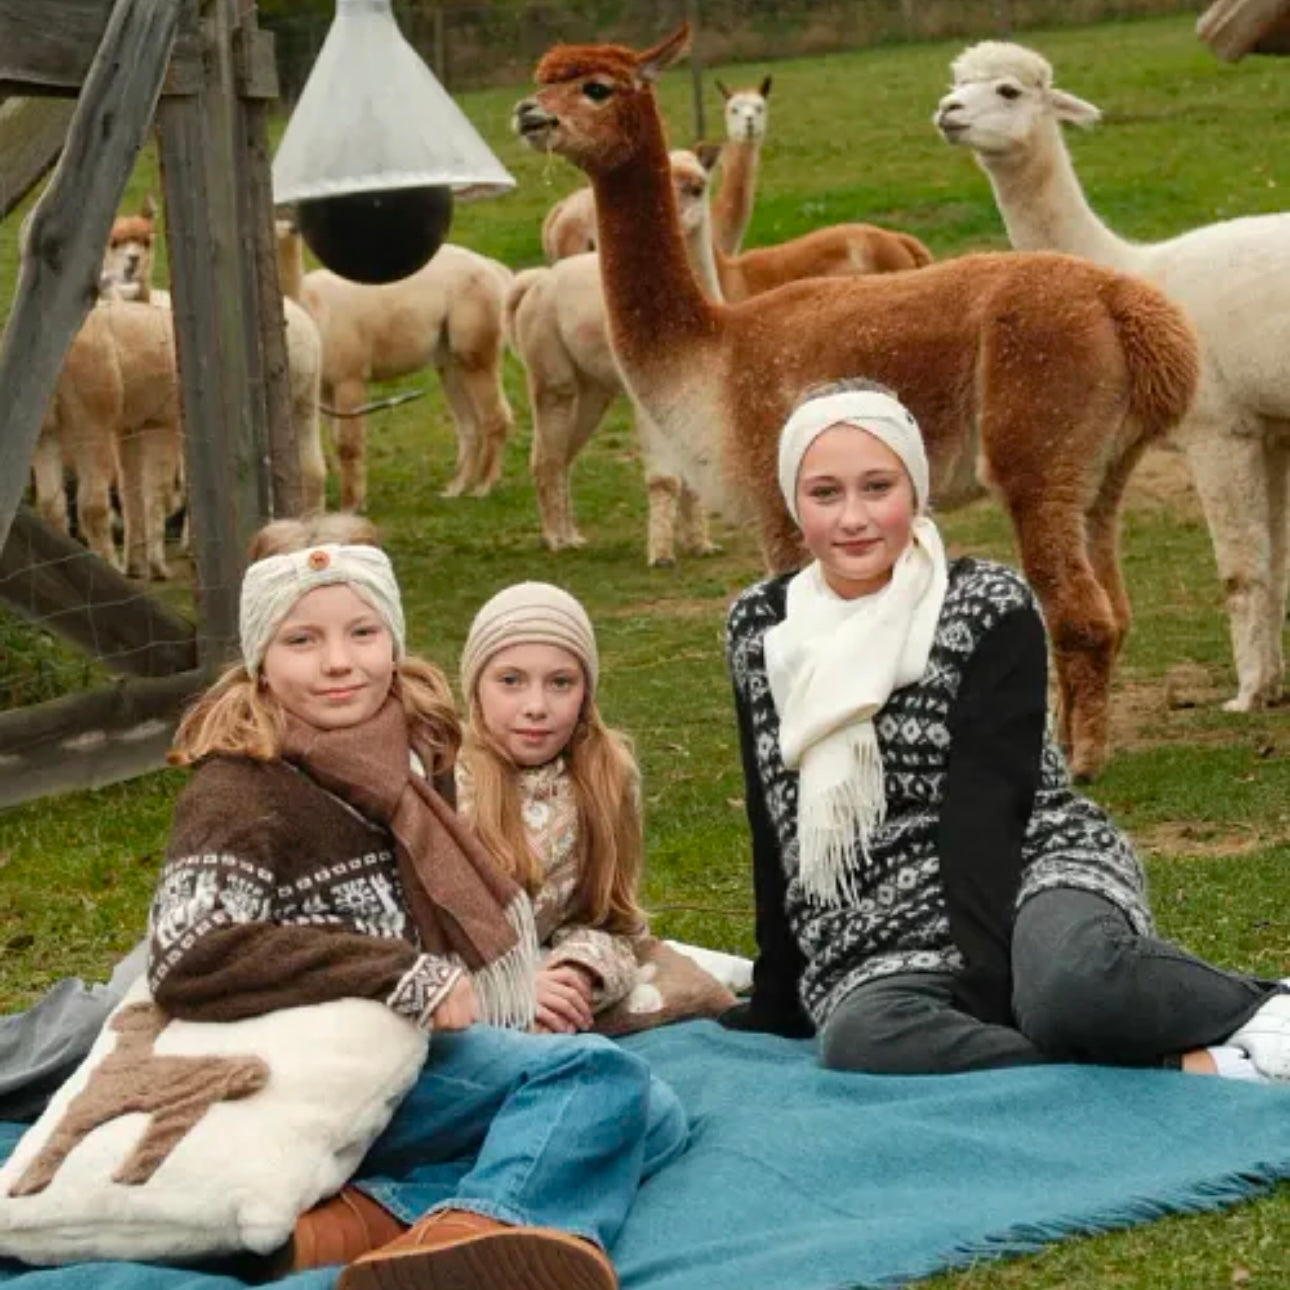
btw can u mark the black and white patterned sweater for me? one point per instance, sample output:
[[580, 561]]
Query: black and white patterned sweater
[[980, 814]]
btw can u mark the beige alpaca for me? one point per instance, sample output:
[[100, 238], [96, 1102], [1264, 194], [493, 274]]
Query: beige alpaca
[[127, 272], [449, 313], [570, 226], [173, 1092], [115, 414], [1040, 375], [556, 319], [746, 115], [1233, 278]]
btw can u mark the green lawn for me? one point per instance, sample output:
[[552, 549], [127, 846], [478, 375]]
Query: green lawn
[[1206, 793]]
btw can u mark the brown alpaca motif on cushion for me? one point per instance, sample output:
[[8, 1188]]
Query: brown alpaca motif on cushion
[[1039, 375], [175, 1092]]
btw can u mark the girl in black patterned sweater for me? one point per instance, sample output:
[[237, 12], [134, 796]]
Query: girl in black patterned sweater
[[931, 894]]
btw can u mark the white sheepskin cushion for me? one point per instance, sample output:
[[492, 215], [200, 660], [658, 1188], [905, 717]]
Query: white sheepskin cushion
[[310, 1089]]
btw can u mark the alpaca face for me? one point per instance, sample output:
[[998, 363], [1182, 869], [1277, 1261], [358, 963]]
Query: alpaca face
[[127, 262], [690, 184], [1003, 98], [745, 116]]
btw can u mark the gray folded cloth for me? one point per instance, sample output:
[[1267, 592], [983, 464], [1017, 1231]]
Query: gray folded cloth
[[39, 1048]]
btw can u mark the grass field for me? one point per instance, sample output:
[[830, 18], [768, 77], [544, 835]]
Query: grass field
[[1205, 793]]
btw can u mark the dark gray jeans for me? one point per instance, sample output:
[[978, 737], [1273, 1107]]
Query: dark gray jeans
[[1086, 988]]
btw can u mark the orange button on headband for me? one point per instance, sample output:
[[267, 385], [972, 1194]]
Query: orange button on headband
[[319, 559]]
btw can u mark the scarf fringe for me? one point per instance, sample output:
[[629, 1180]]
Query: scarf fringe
[[506, 988], [840, 818]]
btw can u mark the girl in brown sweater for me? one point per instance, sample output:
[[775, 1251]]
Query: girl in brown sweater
[[313, 858]]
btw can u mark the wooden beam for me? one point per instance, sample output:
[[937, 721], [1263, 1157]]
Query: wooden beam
[[31, 137], [92, 739], [217, 327], [68, 227], [48, 46], [54, 582]]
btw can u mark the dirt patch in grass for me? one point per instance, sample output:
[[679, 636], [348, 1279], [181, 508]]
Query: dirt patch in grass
[[1196, 840], [1162, 481], [1147, 713]]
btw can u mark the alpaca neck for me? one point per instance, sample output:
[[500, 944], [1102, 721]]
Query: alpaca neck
[[702, 257], [291, 265], [734, 205], [654, 303], [1044, 207]]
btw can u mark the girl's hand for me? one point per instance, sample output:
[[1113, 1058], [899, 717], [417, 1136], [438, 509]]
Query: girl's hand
[[563, 1000], [458, 1009]]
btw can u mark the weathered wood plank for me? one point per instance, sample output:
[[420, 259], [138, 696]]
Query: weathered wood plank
[[55, 582], [1234, 28], [47, 47], [217, 326], [31, 137], [92, 739], [68, 227]]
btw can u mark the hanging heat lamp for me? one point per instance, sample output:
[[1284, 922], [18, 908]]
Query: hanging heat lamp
[[375, 151]]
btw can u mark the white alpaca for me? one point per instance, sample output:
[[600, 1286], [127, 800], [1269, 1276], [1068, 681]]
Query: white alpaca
[[1233, 279], [570, 226], [746, 118], [557, 322], [448, 313]]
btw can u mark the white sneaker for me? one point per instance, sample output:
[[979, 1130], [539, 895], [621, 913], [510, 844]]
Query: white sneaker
[[1266, 1038]]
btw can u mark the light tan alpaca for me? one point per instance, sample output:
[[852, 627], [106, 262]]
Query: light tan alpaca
[[745, 113], [570, 226], [1040, 375], [129, 260], [449, 313], [115, 415], [556, 319]]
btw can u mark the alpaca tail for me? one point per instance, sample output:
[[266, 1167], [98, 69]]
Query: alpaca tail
[[918, 253], [1160, 350], [525, 279]]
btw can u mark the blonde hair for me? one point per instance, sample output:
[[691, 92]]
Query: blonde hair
[[239, 717], [606, 792]]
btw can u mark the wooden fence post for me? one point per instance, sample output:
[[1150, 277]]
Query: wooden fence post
[[693, 16]]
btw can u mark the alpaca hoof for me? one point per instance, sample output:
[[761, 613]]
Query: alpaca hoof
[[705, 549], [452, 489], [482, 490], [662, 562]]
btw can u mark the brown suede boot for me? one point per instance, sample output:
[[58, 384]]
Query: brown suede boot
[[454, 1249], [338, 1230]]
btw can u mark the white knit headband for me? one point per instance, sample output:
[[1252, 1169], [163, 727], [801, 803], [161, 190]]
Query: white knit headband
[[273, 585], [884, 417]]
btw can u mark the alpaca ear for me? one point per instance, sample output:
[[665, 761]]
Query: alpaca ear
[[725, 93], [764, 91], [1066, 107], [708, 154], [148, 207], [652, 63]]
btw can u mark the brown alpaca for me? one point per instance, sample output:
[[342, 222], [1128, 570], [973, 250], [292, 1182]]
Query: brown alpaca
[[174, 1092], [1040, 375]]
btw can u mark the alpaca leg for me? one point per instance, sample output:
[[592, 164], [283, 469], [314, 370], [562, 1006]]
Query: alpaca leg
[[47, 480], [351, 445], [162, 466], [463, 418], [1103, 527], [95, 463], [1278, 471], [692, 524], [1229, 472], [554, 407], [133, 450], [313, 461], [664, 503], [493, 422], [1082, 626], [58, 1146]]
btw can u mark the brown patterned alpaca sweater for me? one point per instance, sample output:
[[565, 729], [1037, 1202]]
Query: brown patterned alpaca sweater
[[274, 894]]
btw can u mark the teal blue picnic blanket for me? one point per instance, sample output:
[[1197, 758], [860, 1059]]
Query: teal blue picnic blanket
[[798, 1178]]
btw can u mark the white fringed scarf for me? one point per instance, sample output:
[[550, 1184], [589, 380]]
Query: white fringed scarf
[[832, 663]]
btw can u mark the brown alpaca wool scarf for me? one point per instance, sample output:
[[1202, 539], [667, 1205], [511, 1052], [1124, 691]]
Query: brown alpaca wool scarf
[[461, 903]]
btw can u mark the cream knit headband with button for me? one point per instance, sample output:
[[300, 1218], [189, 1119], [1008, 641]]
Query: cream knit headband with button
[[273, 585], [529, 613]]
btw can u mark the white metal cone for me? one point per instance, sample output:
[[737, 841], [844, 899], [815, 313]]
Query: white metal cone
[[372, 116]]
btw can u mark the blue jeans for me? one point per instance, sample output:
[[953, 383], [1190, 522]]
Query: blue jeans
[[548, 1130]]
